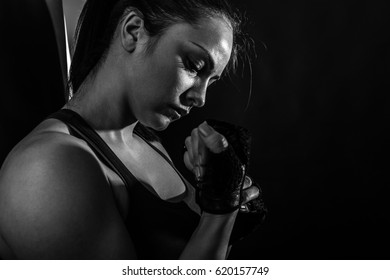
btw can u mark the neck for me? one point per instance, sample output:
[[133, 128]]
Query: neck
[[102, 103]]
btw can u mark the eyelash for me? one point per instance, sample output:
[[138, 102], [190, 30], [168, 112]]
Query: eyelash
[[193, 67]]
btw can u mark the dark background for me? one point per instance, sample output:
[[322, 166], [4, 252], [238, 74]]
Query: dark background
[[318, 114]]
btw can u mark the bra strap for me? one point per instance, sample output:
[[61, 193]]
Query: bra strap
[[80, 128]]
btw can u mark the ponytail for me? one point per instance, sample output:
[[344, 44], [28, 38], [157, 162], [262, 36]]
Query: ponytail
[[91, 40]]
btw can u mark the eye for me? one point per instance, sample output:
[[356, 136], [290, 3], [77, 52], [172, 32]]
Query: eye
[[194, 66]]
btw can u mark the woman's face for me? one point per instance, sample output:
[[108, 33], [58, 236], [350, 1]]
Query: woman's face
[[174, 76]]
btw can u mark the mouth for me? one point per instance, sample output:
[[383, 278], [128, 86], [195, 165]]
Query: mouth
[[180, 111]]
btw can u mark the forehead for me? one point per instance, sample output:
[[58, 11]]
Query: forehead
[[213, 34]]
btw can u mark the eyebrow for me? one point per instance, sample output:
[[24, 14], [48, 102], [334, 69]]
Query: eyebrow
[[210, 60]]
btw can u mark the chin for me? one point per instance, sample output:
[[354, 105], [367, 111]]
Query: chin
[[160, 128], [160, 123]]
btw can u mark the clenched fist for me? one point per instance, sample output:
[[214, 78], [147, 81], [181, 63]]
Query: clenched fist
[[218, 153]]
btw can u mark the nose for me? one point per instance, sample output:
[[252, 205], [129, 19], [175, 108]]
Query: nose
[[197, 95]]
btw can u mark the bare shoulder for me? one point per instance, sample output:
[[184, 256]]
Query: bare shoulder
[[49, 154], [55, 201]]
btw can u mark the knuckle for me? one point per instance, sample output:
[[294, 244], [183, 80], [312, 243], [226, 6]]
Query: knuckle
[[221, 139], [245, 196], [248, 181], [254, 196], [244, 208], [194, 132], [255, 192], [187, 161], [250, 194], [219, 143]]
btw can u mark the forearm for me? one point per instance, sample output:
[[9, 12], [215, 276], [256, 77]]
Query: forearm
[[211, 238]]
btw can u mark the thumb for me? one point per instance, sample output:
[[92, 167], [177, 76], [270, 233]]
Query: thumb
[[212, 139]]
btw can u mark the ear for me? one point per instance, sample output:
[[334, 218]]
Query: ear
[[132, 30]]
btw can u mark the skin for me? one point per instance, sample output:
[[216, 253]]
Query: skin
[[76, 217], [150, 84], [185, 48]]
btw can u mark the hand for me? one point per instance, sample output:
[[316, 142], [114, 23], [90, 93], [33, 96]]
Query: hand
[[219, 163], [203, 140], [252, 214], [250, 192]]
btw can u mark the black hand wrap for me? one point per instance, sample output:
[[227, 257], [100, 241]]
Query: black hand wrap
[[221, 187], [248, 221], [219, 191]]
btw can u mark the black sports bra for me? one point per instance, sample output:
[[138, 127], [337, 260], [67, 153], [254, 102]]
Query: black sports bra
[[159, 229]]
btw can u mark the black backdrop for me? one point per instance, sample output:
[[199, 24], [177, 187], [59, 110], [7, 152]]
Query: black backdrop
[[31, 84], [318, 114]]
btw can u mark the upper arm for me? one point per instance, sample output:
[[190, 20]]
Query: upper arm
[[55, 204]]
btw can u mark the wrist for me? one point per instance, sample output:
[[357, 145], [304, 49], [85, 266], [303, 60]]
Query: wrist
[[208, 215]]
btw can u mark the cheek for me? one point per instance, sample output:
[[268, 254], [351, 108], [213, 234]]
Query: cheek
[[165, 79], [160, 75], [172, 82], [182, 81]]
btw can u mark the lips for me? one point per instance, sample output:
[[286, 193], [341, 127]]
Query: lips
[[180, 110], [173, 114]]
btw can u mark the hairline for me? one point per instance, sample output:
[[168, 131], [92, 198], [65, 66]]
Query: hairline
[[154, 40]]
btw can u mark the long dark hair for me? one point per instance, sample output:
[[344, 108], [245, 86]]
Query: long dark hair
[[99, 19]]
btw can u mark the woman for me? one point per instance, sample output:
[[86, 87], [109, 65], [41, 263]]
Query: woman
[[91, 182]]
